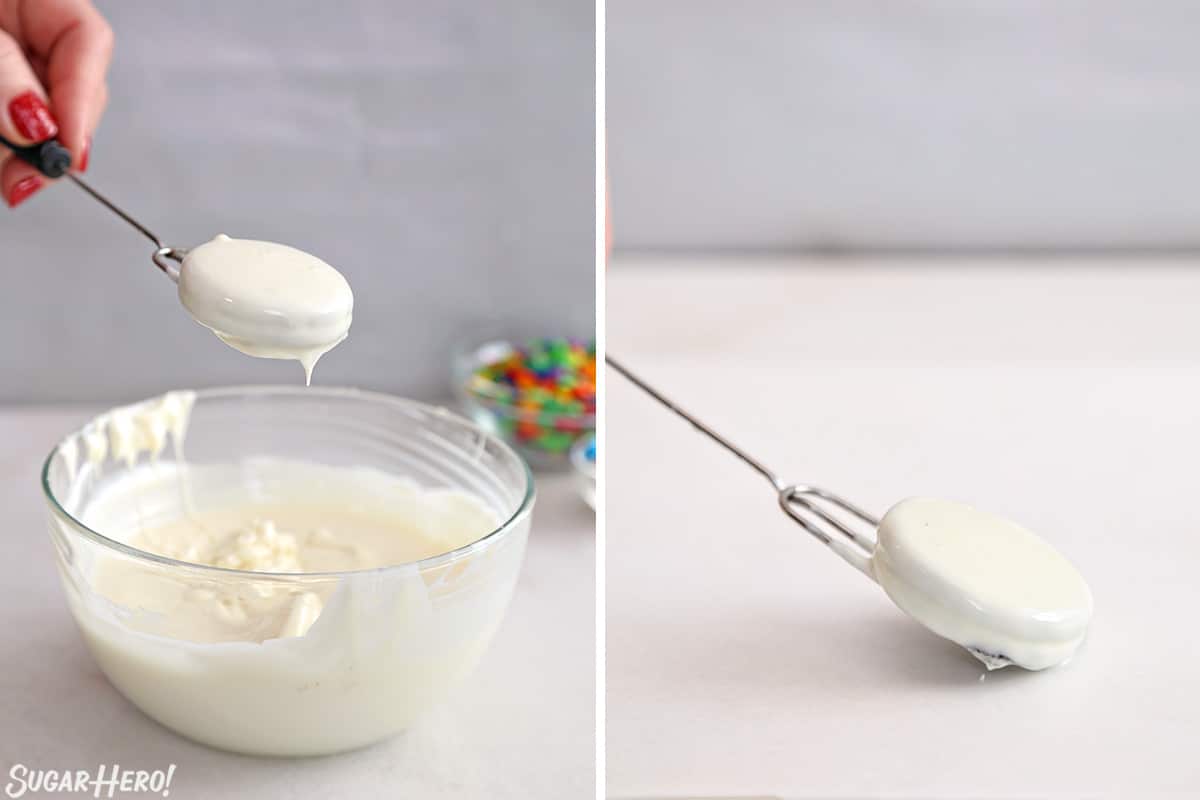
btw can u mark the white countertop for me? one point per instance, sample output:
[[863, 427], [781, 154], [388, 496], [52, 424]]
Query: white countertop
[[746, 659], [523, 726]]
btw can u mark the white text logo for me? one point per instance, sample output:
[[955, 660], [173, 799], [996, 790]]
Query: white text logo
[[107, 780]]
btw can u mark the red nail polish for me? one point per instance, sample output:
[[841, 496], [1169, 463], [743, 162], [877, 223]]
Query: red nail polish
[[85, 155], [32, 118], [22, 189]]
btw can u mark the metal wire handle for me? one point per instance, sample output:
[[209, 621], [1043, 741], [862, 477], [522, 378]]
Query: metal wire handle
[[53, 160], [165, 258], [834, 521]]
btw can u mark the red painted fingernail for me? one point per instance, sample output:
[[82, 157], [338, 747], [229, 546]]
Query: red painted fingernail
[[32, 118], [85, 155], [22, 189]]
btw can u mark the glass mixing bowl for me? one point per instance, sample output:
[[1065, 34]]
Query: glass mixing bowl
[[388, 643]]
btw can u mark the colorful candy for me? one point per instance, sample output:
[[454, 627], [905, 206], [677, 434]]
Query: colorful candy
[[543, 393]]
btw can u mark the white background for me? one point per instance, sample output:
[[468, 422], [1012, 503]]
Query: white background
[[845, 125], [745, 659]]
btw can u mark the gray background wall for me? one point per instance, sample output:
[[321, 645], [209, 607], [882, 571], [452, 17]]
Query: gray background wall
[[923, 124], [440, 154]]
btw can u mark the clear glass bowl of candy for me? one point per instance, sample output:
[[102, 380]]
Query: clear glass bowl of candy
[[538, 393], [583, 459]]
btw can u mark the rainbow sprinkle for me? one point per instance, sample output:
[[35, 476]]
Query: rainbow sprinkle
[[543, 393]]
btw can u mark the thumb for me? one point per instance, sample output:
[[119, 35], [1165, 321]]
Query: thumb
[[24, 115]]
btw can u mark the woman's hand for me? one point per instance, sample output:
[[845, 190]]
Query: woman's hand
[[54, 55]]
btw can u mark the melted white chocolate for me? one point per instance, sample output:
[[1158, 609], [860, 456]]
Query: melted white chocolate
[[275, 659], [267, 300], [983, 582], [319, 519]]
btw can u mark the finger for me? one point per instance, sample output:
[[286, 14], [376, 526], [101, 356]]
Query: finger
[[99, 103], [76, 65], [26, 118], [19, 181], [39, 65]]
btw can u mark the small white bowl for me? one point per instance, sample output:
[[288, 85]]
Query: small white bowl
[[583, 461]]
